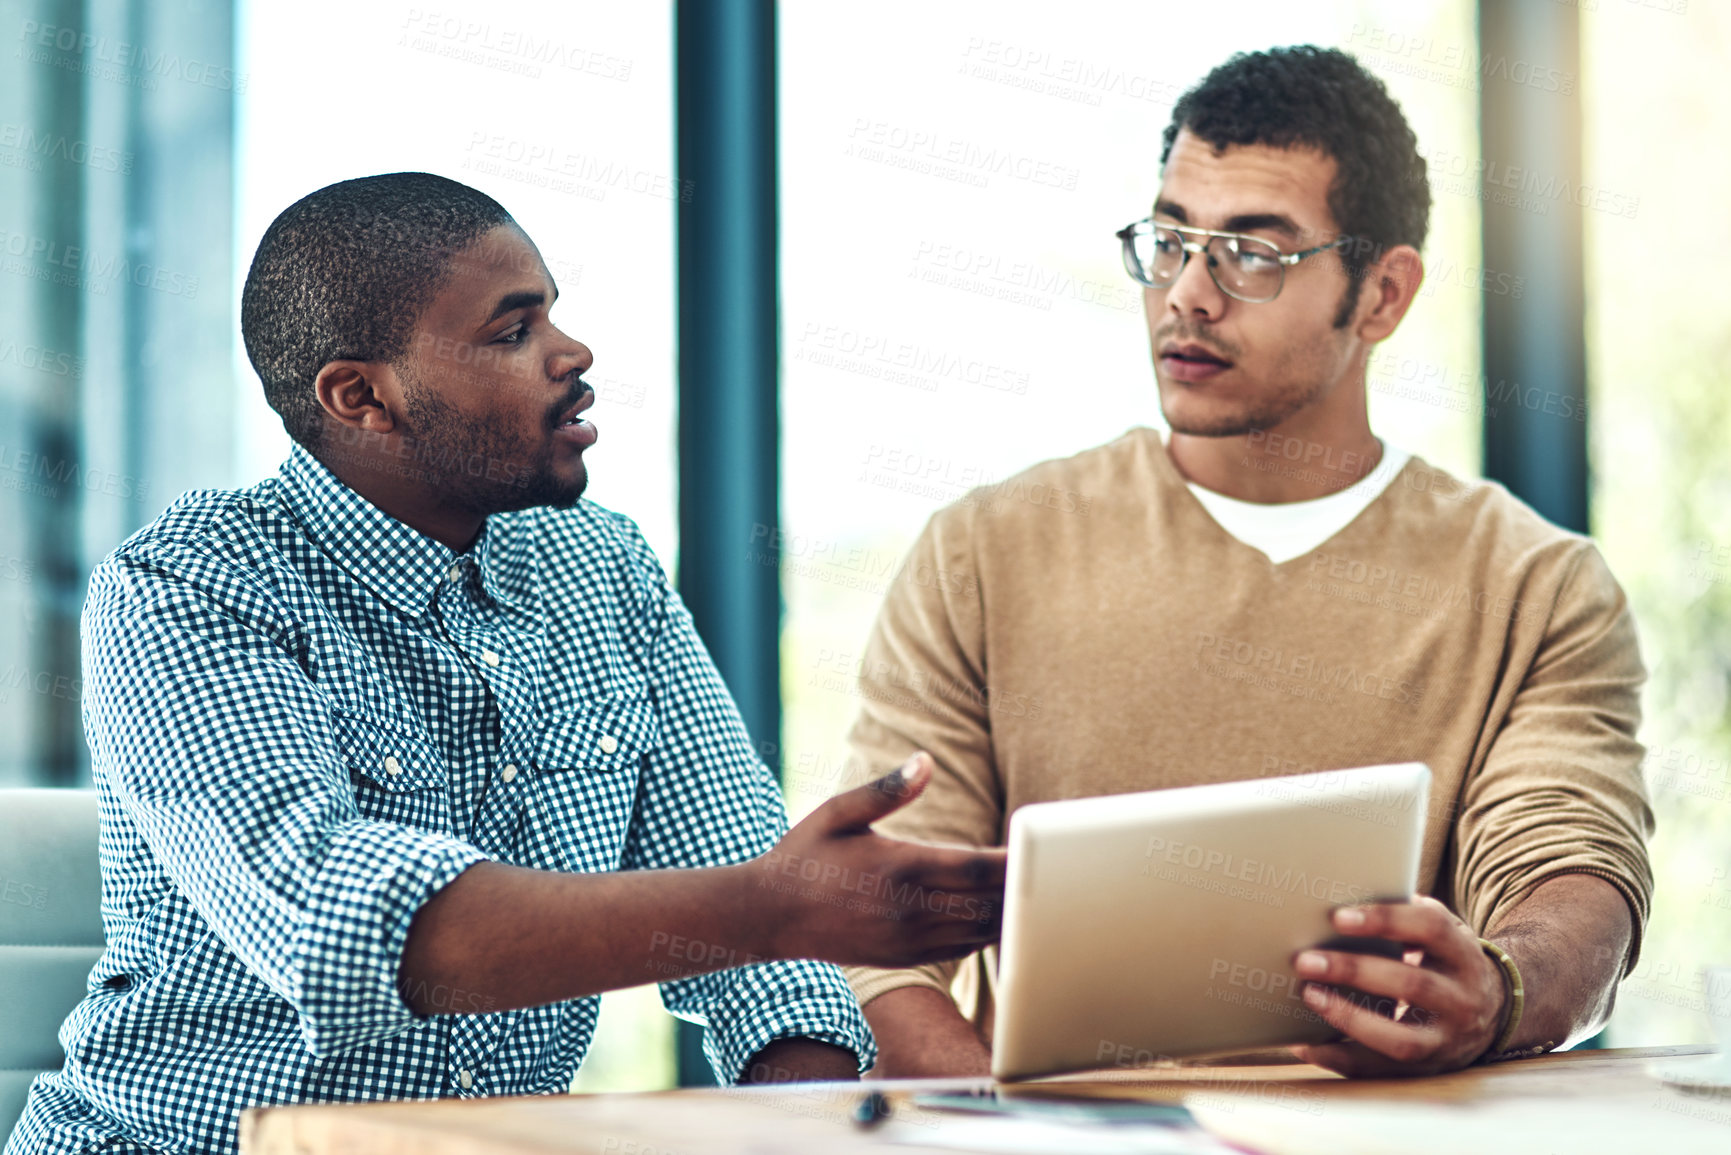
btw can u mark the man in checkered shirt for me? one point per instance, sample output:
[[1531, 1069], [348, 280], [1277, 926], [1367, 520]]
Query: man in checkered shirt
[[406, 754]]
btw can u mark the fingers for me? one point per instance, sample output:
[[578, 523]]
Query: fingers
[[1424, 923], [954, 868], [1402, 1042], [1387, 981], [858, 808], [1441, 981]]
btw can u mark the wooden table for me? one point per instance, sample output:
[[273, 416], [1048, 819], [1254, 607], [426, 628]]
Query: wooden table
[[1579, 1101]]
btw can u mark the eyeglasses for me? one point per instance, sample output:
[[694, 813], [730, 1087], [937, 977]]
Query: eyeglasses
[[1246, 268]]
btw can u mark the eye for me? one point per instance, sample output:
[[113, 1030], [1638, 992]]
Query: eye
[[515, 335]]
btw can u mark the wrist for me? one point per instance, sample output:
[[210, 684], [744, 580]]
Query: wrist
[[1514, 1000], [921, 1033], [801, 1060], [756, 909]]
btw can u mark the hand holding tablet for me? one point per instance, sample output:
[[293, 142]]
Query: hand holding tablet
[[1143, 927]]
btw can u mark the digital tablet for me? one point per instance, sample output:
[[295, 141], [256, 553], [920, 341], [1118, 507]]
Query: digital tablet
[[1145, 927]]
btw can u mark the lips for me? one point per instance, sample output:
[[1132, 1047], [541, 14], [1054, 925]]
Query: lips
[[1191, 362], [572, 427], [573, 414], [1194, 353]]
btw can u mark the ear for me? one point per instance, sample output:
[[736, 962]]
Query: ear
[[359, 394], [1389, 288]]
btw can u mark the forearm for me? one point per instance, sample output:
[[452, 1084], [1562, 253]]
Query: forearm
[[508, 937], [801, 1061], [922, 1034], [1569, 937]]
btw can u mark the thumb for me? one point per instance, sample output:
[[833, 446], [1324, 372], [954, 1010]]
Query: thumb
[[864, 805]]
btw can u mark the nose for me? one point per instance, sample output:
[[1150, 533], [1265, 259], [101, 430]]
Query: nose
[[572, 356], [1194, 293]]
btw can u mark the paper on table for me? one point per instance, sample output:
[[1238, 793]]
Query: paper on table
[[1673, 1123], [1004, 1135]]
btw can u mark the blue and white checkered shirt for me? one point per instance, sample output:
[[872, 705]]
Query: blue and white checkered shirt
[[305, 718]]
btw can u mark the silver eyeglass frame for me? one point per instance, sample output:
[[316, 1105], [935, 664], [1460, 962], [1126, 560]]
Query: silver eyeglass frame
[[1127, 235]]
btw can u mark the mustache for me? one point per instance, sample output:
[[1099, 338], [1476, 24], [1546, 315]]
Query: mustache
[[581, 388], [1184, 333]]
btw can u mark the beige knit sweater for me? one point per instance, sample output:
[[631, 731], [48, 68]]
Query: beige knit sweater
[[1087, 628]]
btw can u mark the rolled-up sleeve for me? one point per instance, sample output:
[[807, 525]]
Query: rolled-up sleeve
[[218, 746], [707, 799], [1561, 790]]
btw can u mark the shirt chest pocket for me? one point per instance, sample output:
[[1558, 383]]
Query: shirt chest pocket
[[601, 737], [398, 774], [588, 760]]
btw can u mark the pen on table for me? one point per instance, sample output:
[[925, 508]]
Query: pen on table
[[872, 1110]]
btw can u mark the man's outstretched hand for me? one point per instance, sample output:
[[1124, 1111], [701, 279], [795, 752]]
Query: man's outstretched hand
[[834, 890], [1454, 996], [500, 937]]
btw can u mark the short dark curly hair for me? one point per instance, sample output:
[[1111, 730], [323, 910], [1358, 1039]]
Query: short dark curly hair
[[344, 273], [1321, 98]]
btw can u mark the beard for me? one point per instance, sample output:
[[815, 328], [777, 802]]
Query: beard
[[1212, 418], [477, 467], [1254, 414]]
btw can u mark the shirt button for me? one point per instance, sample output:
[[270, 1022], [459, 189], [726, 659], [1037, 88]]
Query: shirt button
[[455, 573], [392, 766], [464, 1079], [509, 773], [490, 657], [609, 744]]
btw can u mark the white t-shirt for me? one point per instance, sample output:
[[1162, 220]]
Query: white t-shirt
[[1289, 529]]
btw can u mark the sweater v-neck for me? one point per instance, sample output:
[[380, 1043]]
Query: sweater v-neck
[[1366, 493]]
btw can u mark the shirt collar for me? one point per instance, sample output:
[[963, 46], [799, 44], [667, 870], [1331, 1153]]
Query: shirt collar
[[397, 562]]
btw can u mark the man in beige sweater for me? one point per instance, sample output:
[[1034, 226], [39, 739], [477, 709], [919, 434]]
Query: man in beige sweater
[[1270, 590]]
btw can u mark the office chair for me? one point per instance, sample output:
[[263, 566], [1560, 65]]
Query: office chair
[[50, 930]]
